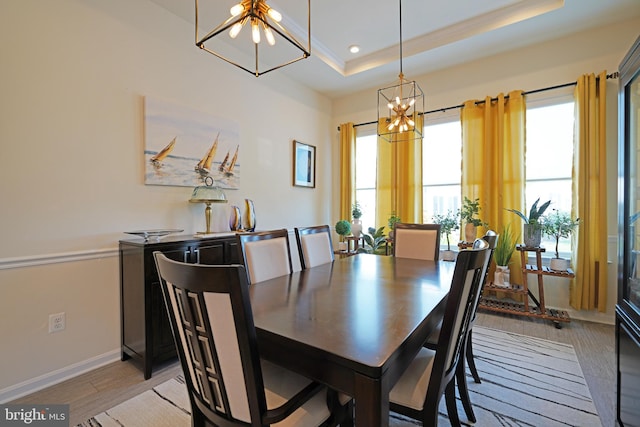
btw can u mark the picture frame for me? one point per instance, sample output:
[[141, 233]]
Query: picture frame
[[304, 165]]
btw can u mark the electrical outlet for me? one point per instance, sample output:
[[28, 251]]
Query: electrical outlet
[[57, 322]]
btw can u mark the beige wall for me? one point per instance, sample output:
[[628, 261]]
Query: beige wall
[[539, 66], [74, 74]]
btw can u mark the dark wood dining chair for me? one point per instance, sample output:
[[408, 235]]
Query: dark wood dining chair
[[468, 359], [418, 241], [227, 381], [314, 245], [432, 373], [265, 254]]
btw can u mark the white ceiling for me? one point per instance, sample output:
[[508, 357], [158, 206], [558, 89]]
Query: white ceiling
[[435, 34]]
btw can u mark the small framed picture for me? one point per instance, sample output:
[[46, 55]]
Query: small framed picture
[[304, 165]]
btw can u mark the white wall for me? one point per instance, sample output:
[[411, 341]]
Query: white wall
[[74, 74], [539, 66]]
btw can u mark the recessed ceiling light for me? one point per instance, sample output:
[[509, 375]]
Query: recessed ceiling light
[[354, 48]]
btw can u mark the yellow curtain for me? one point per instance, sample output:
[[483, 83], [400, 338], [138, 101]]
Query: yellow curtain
[[589, 288], [399, 177], [493, 162], [347, 169]]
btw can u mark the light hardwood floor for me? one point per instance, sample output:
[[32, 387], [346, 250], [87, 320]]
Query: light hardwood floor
[[103, 388]]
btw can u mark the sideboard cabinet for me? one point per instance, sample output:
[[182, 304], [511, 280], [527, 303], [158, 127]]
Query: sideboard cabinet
[[146, 332]]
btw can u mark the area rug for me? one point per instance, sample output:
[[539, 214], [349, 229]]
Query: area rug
[[526, 381]]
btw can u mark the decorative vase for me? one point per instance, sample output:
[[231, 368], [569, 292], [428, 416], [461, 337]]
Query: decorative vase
[[249, 215], [449, 255], [235, 219], [356, 227], [470, 232], [502, 276], [532, 235], [559, 264]]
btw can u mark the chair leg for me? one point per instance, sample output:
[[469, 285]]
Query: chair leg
[[470, 360], [450, 398], [464, 391]]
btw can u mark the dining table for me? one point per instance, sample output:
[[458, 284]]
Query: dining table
[[354, 324]]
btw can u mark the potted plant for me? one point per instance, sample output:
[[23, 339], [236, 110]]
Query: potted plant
[[374, 241], [505, 247], [448, 224], [343, 228], [356, 223], [470, 208], [391, 222], [559, 225], [532, 228]]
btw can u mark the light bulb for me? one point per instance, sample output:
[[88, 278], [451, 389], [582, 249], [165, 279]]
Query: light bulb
[[237, 9], [413, 101], [390, 127], [396, 122], [275, 15], [269, 35], [235, 29], [398, 100], [411, 122], [390, 105], [255, 31]]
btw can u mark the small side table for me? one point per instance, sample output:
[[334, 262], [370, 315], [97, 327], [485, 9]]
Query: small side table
[[353, 244]]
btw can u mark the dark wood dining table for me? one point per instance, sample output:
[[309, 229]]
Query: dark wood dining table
[[354, 324]]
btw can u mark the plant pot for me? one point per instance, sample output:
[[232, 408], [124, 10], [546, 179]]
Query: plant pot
[[449, 255], [502, 276], [559, 264], [470, 232], [356, 227], [532, 235]]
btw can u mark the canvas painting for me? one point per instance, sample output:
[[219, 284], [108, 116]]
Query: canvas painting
[[184, 146]]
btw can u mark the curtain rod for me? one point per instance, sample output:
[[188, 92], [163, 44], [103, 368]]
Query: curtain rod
[[442, 110]]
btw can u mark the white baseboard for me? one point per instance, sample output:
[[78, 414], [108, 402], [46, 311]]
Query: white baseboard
[[51, 378]]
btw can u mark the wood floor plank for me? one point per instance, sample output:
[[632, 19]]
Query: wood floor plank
[[594, 343]]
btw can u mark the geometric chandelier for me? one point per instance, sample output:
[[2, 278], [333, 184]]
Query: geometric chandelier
[[400, 107], [265, 45]]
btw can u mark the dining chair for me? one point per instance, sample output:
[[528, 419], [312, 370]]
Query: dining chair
[[491, 238], [314, 245], [418, 241], [265, 254], [227, 381], [432, 373]]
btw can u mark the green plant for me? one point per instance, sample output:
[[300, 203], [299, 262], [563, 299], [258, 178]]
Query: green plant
[[356, 211], [505, 246], [374, 241], [393, 220], [343, 227], [534, 214], [471, 208], [448, 224], [559, 225]]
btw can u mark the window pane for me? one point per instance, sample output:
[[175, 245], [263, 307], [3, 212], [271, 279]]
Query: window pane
[[366, 155], [441, 174], [550, 142]]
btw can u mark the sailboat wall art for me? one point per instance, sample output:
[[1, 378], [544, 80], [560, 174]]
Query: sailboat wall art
[[183, 146]]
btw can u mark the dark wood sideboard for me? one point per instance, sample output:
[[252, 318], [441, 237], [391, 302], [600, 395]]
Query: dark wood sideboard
[[146, 333]]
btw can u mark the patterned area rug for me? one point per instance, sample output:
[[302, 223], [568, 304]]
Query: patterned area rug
[[525, 382]]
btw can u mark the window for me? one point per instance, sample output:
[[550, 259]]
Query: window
[[549, 153], [549, 161], [441, 162], [366, 161]]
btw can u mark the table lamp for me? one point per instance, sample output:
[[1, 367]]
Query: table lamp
[[208, 193]]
